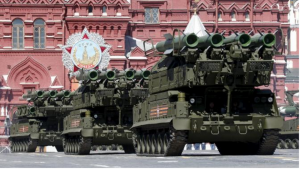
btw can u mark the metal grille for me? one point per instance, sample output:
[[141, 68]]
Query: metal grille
[[106, 92], [209, 65], [139, 93], [151, 15], [260, 65]]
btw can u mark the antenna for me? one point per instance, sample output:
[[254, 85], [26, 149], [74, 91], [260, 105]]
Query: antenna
[[207, 32], [223, 32], [260, 33], [235, 33]]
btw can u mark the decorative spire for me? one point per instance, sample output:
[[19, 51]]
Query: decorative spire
[[194, 5], [195, 26], [85, 55]]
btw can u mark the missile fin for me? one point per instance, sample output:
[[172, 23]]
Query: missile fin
[[168, 51]]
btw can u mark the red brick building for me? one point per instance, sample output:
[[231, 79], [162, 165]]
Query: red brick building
[[31, 33]]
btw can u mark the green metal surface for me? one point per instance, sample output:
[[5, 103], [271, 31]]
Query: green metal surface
[[41, 122], [102, 112], [208, 93]]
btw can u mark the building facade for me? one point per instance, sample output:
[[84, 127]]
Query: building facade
[[292, 55], [32, 32]]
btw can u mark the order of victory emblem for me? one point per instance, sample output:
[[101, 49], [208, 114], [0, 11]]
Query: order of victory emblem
[[85, 51]]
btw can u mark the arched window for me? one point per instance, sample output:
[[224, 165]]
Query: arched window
[[104, 9], [76, 10], [39, 34], [247, 17], [18, 34], [220, 16], [118, 8], [233, 16], [90, 9]]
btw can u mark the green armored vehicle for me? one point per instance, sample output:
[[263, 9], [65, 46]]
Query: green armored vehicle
[[103, 109], [40, 123], [204, 90], [289, 134]]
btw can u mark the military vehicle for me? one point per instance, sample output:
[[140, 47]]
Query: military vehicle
[[40, 123], [289, 134], [103, 109], [203, 89]]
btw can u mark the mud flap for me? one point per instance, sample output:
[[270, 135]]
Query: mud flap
[[34, 136], [19, 135], [87, 132], [181, 124], [273, 123], [150, 122], [77, 130]]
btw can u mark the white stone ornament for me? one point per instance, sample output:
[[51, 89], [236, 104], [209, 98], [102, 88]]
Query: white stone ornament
[[85, 51]]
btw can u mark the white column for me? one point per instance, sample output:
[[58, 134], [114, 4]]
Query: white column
[[292, 17], [2, 111]]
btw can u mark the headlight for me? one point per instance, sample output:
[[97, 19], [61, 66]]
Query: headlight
[[263, 99], [270, 99], [256, 99], [192, 100], [95, 116]]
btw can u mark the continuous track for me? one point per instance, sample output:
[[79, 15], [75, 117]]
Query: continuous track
[[168, 142], [265, 146], [23, 145], [77, 145]]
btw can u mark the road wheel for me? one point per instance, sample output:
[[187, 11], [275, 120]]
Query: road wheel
[[138, 144], [68, 145], [160, 146], [144, 151], [74, 146], [283, 144], [166, 142], [103, 147], [18, 147], [94, 148], [26, 145], [114, 147], [148, 144], [21, 146], [12, 146], [279, 146], [296, 143], [290, 144], [152, 144]]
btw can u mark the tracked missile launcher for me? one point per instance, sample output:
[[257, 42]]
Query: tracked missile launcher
[[40, 123], [103, 109], [289, 134], [204, 89]]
